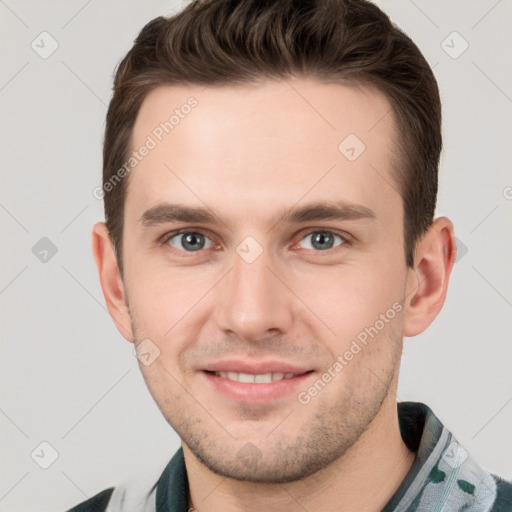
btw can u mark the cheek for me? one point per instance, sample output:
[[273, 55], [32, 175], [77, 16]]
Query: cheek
[[169, 306], [161, 295], [348, 299]]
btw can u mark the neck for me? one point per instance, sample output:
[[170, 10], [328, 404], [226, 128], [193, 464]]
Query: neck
[[363, 479]]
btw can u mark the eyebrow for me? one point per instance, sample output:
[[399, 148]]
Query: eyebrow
[[166, 212]]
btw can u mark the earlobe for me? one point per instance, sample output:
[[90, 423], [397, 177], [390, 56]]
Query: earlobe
[[427, 281], [110, 279]]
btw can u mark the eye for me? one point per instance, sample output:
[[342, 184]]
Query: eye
[[189, 241], [321, 240]]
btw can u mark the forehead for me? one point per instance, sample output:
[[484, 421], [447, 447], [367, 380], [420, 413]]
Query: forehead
[[286, 139]]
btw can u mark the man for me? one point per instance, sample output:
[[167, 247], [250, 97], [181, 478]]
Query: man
[[270, 181]]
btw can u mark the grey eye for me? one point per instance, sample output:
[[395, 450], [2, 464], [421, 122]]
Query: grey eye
[[321, 240], [190, 241]]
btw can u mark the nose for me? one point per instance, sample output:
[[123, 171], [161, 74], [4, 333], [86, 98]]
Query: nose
[[253, 302]]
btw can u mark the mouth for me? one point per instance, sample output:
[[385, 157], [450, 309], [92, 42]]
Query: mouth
[[260, 378], [256, 388]]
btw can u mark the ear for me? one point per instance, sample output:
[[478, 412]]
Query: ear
[[427, 281], [110, 278]]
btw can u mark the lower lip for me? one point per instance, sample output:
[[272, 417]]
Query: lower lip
[[257, 393]]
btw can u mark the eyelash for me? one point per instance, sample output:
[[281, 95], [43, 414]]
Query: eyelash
[[344, 237]]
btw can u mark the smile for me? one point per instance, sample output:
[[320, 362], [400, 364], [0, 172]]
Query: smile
[[256, 388], [262, 378]]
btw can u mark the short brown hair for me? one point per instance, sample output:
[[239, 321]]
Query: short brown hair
[[235, 42]]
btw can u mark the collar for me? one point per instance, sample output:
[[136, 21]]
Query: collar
[[172, 486]]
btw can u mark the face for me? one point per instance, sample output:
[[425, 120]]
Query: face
[[265, 270]]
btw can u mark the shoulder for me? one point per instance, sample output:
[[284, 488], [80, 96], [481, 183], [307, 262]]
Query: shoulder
[[503, 501], [137, 492], [97, 503], [130, 495]]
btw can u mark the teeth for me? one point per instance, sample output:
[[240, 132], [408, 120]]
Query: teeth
[[246, 377], [263, 378]]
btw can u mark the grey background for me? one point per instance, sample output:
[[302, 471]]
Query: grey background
[[68, 378]]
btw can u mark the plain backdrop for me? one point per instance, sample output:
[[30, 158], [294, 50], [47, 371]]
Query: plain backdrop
[[68, 378]]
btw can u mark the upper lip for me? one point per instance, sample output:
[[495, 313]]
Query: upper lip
[[255, 367]]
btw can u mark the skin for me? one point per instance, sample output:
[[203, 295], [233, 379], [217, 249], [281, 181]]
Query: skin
[[250, 153]]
